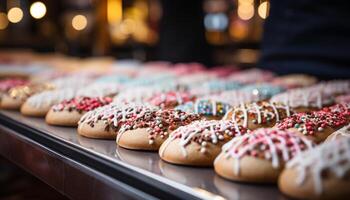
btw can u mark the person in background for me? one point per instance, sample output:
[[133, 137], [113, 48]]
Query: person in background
[[307, 36], [182, 34]]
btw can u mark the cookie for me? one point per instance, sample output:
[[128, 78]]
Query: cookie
[[263, 90], [334, 87], [39, 105], [198, 143], [339, 134], [234, 97], [148, 130], [343, 99], [16, 96], [262, 114], [171, 99], [214, 87], [252, 76], [316, 126], [105, 122], [100, 90], [304, 99], [319, 173], [260, 156], [7, 84], [69, 112], [295, 81], [210, 109]]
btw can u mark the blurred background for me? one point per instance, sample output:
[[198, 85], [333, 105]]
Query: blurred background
[[213, 32]]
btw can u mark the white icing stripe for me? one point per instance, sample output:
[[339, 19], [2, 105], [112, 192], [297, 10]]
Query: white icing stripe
[[268, 142], [333, 156]]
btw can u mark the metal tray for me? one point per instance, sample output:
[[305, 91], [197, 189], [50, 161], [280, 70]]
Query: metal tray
[[144, 173]]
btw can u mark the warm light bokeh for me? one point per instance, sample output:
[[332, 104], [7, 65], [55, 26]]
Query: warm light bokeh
[[15, 15], [38, 10], [79, 22]]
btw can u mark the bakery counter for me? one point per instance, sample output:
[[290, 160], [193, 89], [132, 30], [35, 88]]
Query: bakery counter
[[83, 168]]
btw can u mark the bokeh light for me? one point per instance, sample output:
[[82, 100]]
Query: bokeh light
[[3, 21], [79, 22], [263, 9], [15, 15], [38, 10], [245, 12]]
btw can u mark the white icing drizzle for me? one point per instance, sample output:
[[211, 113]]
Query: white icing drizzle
[[305, 97], [271, 144], [260, 109], [99, 90], [50, 98], [341, 133], [73, 81], [114, 114], [213, 129], [333, 156]]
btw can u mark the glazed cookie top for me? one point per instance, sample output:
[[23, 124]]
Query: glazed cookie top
[[99, 90], [81, 104], [23, 92], [234, 97], [263, 90], [332, 157], [7, 84], [114, 115], [252, 76], [311, 123], [170, 99], [205, 107], [158, 123], [215, 86], [269, 144], [335, 87], [48, 98], [73, 81], [204, 132], [343, 99], [343, 132], [261, 112], [342, 108], [305, 97]]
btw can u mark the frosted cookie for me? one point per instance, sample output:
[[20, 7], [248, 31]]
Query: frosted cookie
[[234, 97], [316, 126], [209, 109], [334, 88], [167, 100], [259, 156], [319, 173], [263, 91], [252, 76], [304, 100], [340, 134], [7, 84], [100, 90], [198, 143], [69, 112], [214, 87], [105, 122], [72, 81], [343, 99], [148, 130], [39, 104], [295, 80], [340, 108], [16, 96], [262, 114]]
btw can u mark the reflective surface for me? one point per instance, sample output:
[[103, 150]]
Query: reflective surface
[[201, 181]]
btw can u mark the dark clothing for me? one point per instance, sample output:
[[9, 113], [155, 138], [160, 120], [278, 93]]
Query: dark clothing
[[308, 36], [182, 34]]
